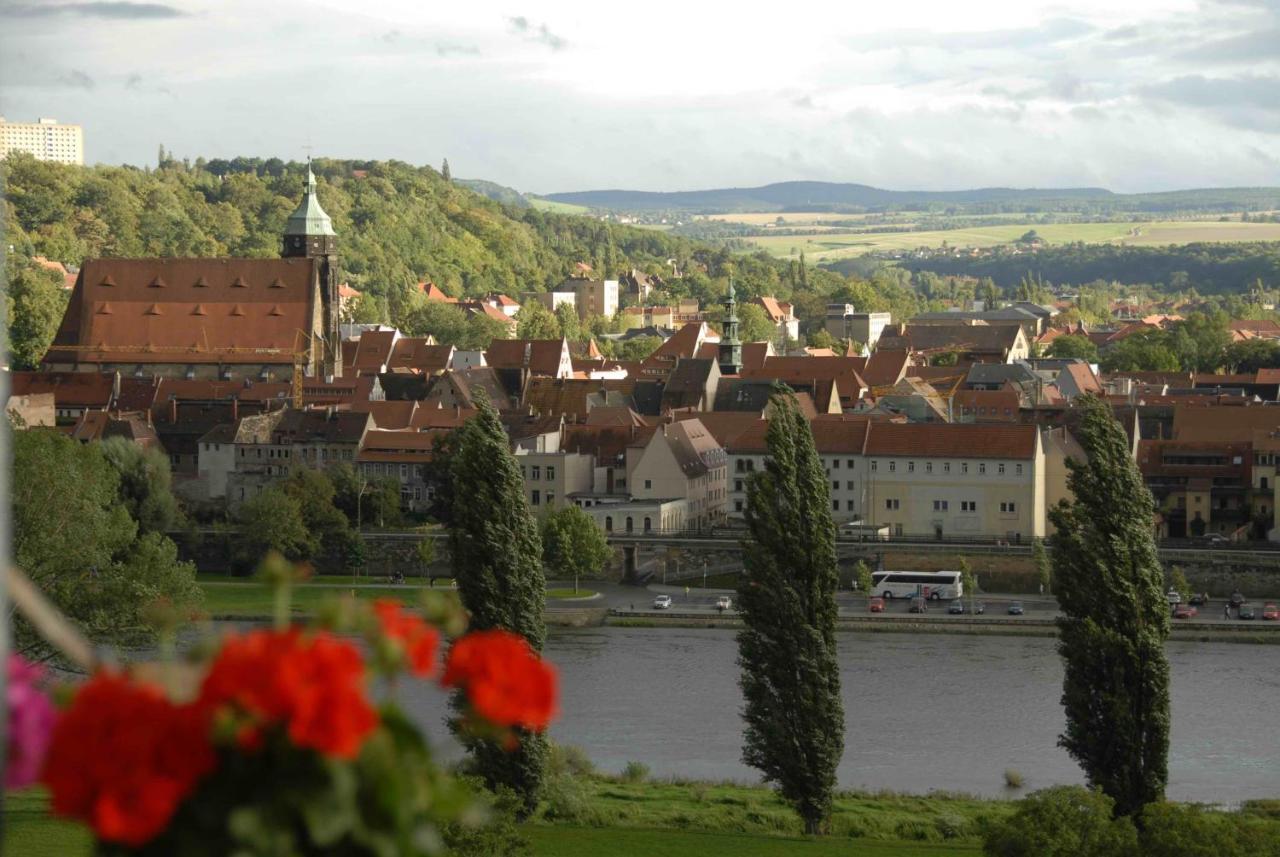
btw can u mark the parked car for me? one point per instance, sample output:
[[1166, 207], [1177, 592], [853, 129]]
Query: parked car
[[1236, 599], [1270, 612], [723, 603], [1244, 611], [919, 605], [979, 608], [662, 602], [1184, 611], [876, 605], [955, 608], [1199, 599], [1214, 539], [1174, 597], [1015, 609]]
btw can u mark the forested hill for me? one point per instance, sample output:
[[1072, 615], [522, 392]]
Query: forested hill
[[397, 224], [830, 196]]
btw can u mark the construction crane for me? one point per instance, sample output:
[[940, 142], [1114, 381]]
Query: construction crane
[[301, 352]]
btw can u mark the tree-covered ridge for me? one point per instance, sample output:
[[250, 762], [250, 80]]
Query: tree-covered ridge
[[1215, 268]]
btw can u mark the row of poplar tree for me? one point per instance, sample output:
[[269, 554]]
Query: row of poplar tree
[[1106, 576]]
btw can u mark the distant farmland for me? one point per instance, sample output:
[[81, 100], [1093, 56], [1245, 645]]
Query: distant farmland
[[829, 245]]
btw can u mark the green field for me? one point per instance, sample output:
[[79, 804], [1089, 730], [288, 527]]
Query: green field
[[241, 597], [557, 207], [832, 245], [615, 842]]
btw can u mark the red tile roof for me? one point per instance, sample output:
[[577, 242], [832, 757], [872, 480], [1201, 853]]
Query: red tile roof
[[942, 440]]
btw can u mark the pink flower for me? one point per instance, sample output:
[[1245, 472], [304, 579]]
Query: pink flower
[[31, 719]]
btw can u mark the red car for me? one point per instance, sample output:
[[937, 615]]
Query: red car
[[1270, 611], [876, 605], [1184, 611]]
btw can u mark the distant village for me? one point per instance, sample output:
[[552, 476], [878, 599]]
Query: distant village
[[945, 425]]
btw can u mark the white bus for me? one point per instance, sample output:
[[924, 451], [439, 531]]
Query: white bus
[[934, 585]]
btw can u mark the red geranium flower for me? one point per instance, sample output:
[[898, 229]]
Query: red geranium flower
[[312, 685], [123, 757], [504, 679], [418, 640]]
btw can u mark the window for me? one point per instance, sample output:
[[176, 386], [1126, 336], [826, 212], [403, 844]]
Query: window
[[964, 467], [939, 505], [1000, 468], [897, 529], [968, 505], [835, 463], [1017, 469], [848, 486], [648, 483], [1008, 508], [982, 469], [551, 473], [536, 498], [404, 471], [630, 526], [893, 465], [849, 463], [911, 467], [873, 465], [648, 525], [737, 485], [946, 467], [928, 467], [737, 505], [551, 498], [891, 505], [835, 505], [848, 505], [537, 472], [835, 485]]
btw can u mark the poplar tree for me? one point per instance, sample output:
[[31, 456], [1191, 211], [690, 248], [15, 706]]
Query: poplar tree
[[790, 674], [1108, 580], [497, 562], [445, 172]]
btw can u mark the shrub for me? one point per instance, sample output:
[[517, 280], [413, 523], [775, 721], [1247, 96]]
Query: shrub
[[1063, 821], [913, 829], [571, 760], [950, 826], [1173, 830], [498, 836], [1012, 779], [635, 772], [566, 800]]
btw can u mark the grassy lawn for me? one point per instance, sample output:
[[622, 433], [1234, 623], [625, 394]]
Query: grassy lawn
[[570, 592], [29, 831], [242, 597], [608, 842]]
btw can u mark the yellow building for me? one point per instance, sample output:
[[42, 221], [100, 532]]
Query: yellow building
[[46, 140]]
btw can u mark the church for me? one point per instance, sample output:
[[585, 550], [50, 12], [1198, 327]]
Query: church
[[255, 319]]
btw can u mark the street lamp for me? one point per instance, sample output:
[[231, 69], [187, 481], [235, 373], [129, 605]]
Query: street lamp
[[704, 575]]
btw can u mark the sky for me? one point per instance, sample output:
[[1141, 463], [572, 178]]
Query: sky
[[1143, 95]]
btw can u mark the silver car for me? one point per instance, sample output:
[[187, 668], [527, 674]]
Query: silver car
[[662, 602]]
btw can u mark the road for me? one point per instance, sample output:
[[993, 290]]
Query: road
[[703, 601]]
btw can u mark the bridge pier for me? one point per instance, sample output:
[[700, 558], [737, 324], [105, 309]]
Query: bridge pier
[[630, 565]]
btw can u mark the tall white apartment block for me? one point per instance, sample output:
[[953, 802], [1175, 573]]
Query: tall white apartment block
[[47, 140]]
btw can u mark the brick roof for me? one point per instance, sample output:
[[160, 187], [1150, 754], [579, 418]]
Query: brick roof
[[187, 311], [70, 389], [420, 354], [539, 356], [936, 440], [1219, 425]]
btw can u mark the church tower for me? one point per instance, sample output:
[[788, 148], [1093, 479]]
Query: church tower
[[309, 234], [730, 347]]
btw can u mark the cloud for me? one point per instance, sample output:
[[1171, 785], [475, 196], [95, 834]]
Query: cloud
[[522, 26], [1245, 48], [804, 102], [121, 11], [1051, 32], [76, 79], [1248, 101]]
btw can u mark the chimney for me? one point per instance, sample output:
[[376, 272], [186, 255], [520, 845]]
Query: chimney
[[235, 408]]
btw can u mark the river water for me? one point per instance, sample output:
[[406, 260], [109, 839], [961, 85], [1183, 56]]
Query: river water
[[921, 712]]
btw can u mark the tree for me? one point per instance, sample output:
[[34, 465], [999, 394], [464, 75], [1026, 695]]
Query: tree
[[497, 562], [77, 542], [862, 574], [1063, 821], [567, 319], [446, 322], [1250, 355], [1074, 346], [1044, 568], [272, 521], [1178, 581], [787, 650], [145, 484], [946, 358], [1115, 620], [637, 349], [968, 581], [38, 301], [327, 528], [821, 339], [754, 325], [1145, 351], [534, 321], [573, 545], [444, 171]]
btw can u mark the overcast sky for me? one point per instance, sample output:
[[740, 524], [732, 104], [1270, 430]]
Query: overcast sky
[[659, 95]]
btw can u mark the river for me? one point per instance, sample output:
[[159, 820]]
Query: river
[[923, 712]]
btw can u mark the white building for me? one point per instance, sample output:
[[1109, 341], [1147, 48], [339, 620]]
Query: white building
[[46, 140]]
